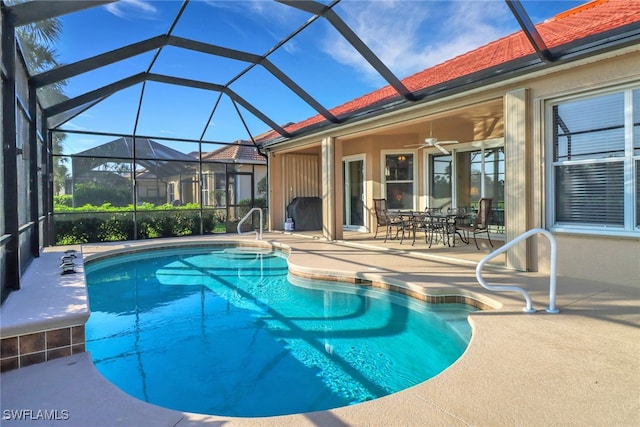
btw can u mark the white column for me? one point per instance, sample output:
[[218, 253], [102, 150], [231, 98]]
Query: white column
[[517, 152], [331, 209]]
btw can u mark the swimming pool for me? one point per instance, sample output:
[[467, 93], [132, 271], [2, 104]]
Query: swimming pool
[[226, 331]]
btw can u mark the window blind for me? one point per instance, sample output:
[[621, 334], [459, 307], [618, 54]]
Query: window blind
[[590, 194]]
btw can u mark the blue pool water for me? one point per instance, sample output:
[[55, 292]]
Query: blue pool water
[[224, 331]]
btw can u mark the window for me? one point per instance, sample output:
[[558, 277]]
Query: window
[[172, 192], [398, 172], [220, 188], [596, 156], [205, 189]]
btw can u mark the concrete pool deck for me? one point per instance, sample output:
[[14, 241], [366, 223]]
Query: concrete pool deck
[[578, 367]]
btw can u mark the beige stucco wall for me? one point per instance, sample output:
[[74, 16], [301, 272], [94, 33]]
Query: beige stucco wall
[[601, 259]]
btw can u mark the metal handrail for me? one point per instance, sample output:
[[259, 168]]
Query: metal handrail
[[552, 273], [244, 218]]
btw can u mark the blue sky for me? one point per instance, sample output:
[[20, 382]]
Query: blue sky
[[408, 36]]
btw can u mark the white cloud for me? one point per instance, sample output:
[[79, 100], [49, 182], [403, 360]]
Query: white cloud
[[126, 8], [270, 17], [409, 36]]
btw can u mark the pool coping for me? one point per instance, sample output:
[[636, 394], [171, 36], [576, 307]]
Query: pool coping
[[519, 369], [47, 299]]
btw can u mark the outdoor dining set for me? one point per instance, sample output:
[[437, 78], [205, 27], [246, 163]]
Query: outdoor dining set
[[436, 224]]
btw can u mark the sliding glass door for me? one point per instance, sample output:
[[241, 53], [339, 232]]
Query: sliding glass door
[[481, 174], [460, 179], [441, 188], [353, 196]]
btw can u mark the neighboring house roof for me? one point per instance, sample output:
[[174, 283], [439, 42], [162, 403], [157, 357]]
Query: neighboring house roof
[[150, 154], [236, 153], [145, 174], [99, 175], [146, 148], [590, 19]]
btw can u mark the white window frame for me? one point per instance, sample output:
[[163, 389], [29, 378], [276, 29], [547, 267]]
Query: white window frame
[[483, 146], [383, 175], [428, 189], [629, 229], [205, 189], [171, 193], [359, 157]]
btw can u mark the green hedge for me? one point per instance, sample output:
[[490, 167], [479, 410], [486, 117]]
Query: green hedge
[[107, 223], [79, 227]]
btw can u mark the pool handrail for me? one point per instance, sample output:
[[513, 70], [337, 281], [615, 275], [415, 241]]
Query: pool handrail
[[552, 272], [244, 218]]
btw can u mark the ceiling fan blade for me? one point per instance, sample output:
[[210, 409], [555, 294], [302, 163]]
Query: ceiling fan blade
[[447, 142], [415, 145], [442, 149]]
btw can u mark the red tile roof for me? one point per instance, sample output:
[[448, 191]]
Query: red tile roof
[[586, 20], [235, 152]]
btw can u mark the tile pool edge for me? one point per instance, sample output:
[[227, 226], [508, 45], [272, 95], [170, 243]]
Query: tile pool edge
[[418, 292], [45, 319], [129, 248]]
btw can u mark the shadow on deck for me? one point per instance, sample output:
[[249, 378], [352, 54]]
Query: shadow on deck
[[461, 252]]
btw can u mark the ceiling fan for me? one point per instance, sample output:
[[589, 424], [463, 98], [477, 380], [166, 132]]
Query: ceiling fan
[[430, 141]]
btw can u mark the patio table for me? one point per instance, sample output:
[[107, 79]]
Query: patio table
[[437, 222]]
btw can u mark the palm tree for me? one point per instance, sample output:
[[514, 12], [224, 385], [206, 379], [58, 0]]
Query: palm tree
[[60, 170]]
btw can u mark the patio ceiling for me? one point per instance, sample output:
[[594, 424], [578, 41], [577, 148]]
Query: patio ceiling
[[484, 121], [222, 87]]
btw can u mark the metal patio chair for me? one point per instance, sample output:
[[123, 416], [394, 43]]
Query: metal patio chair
[[480, 224], [387, 220]]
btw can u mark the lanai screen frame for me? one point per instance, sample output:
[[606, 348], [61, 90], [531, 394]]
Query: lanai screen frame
[[24, 228]]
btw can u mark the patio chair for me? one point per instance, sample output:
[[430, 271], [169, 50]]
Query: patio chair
[[387, 220], [429, 224], [456, 219], [480, 223]]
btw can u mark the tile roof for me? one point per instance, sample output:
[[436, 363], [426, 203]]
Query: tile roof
[[586, 20], [235, 152]]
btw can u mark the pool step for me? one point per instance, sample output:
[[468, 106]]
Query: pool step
[[247, 253], [461, 328], [459, 325]]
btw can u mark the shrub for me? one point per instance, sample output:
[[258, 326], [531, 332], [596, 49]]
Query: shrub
[[63, 200], [117, 193], [107, 223]]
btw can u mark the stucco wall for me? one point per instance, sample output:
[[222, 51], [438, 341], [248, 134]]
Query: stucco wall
[[601, 259]]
